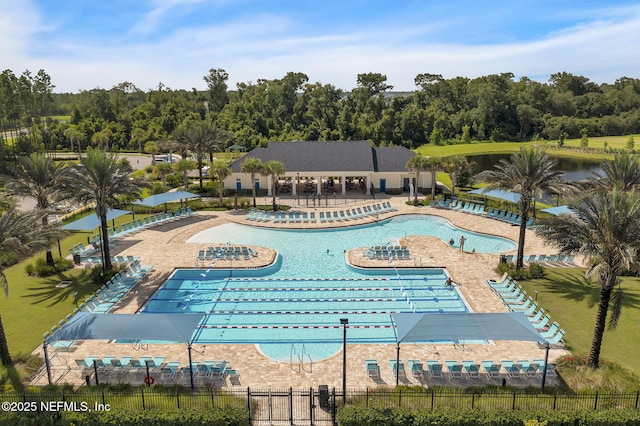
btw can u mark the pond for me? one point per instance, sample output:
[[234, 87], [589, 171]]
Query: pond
[[575, 168]]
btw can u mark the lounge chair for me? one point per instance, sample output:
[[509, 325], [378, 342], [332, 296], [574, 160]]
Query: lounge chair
[[527, 368], [394, 367], [435, 369], [471, 369], [416, 369], [512, 369], [491, 368], [455, 369], [371, 366]]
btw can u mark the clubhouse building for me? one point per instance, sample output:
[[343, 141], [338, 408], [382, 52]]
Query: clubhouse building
[[331, 167]]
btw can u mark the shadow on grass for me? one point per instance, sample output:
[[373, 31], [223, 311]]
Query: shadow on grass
[[576, 287], [45, 291]]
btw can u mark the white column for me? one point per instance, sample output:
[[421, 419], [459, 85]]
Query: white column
[[269, 183], [343, 182], [296, 182], [368, 184], [319, 189]]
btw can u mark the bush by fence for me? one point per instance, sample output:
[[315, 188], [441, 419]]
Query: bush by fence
[[406, 406]]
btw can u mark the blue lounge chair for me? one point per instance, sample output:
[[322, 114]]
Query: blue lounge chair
[[371, 366], [491, 368], [416, 369], [512, 369], [471, 369], [396, 366], [435, 369], [455, 369]]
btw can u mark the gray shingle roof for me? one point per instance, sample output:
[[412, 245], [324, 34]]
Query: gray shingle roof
[[331, 156]]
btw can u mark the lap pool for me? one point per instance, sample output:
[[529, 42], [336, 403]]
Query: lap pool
[[302, 297]]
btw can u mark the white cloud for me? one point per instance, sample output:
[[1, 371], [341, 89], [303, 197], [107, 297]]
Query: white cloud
[[269, 46]]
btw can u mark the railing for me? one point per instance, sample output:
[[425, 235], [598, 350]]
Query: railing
[[319, 406]]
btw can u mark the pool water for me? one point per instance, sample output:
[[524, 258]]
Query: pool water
[[293, 308], [320, 252]]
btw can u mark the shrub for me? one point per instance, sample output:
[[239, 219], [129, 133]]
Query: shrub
[[534, 270], [41, 269]]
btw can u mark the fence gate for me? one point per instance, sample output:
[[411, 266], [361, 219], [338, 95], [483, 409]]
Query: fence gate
[[292, 407]]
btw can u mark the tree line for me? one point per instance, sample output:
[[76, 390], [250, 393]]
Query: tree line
[[494, 107]]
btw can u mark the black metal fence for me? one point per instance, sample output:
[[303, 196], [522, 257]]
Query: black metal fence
[[312, 406]]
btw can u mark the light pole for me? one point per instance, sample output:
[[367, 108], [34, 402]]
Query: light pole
[[344, 322]]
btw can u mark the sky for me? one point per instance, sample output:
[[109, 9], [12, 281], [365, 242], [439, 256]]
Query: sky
[[85, 44]]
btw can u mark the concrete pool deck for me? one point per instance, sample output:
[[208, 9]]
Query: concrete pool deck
[[164, 247]]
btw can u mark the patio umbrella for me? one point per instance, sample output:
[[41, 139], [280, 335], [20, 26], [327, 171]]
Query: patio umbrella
[[91, 222], [558, 210]]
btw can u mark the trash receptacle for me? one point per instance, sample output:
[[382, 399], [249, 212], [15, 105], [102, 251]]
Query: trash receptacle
[[503, 258], [77, 259], [323, 396]]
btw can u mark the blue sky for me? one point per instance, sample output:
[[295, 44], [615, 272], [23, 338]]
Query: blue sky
[[84, 44]]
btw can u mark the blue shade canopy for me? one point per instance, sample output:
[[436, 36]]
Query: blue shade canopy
[[558, 210], [167, 197], [465, 326], [91, 222], [512, 197], [163, 327]]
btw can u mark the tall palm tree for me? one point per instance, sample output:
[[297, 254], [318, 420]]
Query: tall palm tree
[[417, 165], [184, 166], [221, 171], [606, 231], [529, 173], [253, 166], [100, 178], [201, 137], [21, 235], [37, 176], [273, 169], [623, 171]]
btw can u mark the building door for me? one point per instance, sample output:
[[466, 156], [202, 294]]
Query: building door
[[405, 185], [238, 185], [383, 185]]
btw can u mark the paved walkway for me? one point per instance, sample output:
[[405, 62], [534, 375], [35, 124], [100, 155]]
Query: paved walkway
[[165, 248]]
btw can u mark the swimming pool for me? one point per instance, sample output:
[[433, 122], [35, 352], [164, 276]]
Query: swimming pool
[[296, 304], [320, 252], [278, 312]]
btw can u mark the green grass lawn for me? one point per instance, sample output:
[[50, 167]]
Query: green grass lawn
[[572, 301], [570, 150]]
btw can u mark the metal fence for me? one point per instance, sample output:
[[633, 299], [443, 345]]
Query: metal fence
[[316, 406]]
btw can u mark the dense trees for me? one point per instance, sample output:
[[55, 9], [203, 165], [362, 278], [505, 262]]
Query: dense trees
[[492, 107]]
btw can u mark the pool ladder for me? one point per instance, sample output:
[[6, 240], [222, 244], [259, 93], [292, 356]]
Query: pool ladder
[[298, 360]]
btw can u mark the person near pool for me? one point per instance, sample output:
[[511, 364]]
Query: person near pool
[[451, 242], [462, 240]]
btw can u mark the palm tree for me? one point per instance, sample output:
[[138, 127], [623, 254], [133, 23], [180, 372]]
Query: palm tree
[[184, 166], [201, 137], [221, 171], [529, 173], [623, 171], [273, 169], [455, 166], [100, 178], [252, 165], [164, 169], [606, 231], [21, 235], [417, 164], [433, 165], [37, 176]]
